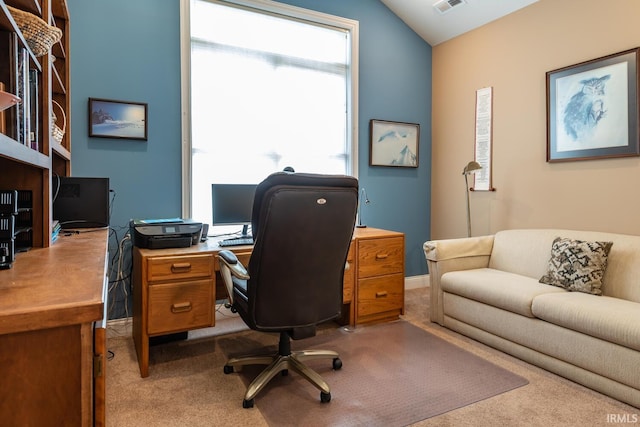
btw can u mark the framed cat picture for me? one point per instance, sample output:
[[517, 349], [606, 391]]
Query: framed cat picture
[[592, 109]]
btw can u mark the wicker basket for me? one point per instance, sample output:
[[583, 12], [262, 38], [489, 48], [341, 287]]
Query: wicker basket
[[39, 35], [56, 132]]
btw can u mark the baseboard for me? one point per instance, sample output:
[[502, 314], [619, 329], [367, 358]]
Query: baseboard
[[119, 327], [415, 282]]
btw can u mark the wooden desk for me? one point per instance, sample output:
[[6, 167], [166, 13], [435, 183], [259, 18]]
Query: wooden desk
[[52, 333], [174, 290]]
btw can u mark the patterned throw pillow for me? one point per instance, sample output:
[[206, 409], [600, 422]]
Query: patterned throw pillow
[[577, 265]]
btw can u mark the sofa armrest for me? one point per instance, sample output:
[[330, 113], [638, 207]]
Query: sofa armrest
[[453, 255]]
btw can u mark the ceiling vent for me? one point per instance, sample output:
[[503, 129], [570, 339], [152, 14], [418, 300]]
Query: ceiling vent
[[444, 6]]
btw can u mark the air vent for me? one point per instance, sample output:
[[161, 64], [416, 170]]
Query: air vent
[[444, 6]]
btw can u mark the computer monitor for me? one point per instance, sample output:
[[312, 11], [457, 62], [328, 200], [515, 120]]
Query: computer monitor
[[232, 204], [81, 202]]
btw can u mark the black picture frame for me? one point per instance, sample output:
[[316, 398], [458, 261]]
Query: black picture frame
[[393, 144], [117, 119], [592, 109]]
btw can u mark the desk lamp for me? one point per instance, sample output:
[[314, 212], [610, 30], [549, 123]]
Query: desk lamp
[[471, 168], [363, 192]]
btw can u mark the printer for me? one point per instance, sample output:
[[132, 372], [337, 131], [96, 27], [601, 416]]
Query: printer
[[165, 233]]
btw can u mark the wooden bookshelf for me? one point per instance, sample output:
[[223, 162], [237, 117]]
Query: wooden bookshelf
[[23, 166]]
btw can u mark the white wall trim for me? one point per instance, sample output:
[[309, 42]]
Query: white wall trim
[[415, 282]]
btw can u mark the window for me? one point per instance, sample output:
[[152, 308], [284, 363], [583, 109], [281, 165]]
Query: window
[[265, 86]]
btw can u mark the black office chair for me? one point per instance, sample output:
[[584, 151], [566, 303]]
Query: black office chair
[[302, 226]]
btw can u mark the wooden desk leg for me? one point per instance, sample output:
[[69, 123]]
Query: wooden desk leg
[[141, 341]]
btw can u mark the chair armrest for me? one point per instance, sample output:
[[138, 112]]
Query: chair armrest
[[230, 260], [447, 255], [231, 267]]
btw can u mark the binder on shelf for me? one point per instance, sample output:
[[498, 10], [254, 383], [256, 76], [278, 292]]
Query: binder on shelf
[[34, 102], [9, 53], [22, 92]]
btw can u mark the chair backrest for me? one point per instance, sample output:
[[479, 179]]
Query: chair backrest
[[302, 227]]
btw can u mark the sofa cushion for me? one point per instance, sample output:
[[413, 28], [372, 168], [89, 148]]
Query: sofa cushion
[[611, 319], [577, 265], [508, 291]]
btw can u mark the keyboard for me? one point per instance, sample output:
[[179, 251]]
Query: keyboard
[[235, 242]]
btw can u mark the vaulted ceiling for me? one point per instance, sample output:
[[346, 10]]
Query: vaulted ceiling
[[459, 16]]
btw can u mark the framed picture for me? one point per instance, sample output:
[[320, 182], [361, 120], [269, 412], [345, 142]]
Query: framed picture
[[117, 119], [592, 109], [393, 144]]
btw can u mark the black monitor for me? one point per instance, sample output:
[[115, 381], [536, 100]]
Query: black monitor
[[232, 204], [81, 202]]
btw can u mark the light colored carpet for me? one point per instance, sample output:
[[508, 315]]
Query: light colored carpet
[[394, 374], [187, 387]]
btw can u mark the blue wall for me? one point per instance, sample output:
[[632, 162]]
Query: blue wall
[[130, 50]]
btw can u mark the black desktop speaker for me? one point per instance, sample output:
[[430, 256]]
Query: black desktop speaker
[[81, 202]]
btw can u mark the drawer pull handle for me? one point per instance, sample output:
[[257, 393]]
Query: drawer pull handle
[[180, 267], [381, 294], [382, 256], [182, 307]]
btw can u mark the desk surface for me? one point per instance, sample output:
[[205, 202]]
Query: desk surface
[[55, 286], [211, 244]]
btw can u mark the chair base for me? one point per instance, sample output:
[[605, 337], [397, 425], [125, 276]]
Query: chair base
[[282, 362]]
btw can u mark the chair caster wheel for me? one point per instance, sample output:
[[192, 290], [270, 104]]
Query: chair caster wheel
[[247, 404], [228, 369], [325, 397], [337, 363]]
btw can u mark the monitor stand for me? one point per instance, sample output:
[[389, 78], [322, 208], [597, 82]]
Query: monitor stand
[[245, 232]]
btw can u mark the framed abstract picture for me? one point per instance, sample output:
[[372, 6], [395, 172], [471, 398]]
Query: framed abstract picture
[[117, 119], [393, 144], [592, 109]]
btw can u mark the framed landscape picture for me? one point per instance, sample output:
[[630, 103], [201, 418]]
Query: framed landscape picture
[[393, 144], [117, 119], [592, 109]]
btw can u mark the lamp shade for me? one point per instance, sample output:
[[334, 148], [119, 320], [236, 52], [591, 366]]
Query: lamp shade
[[471, 167]]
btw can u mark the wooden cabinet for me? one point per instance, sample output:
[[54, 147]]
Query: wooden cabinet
[[379, 290], [52, 334], [172, 293], [25, 166]]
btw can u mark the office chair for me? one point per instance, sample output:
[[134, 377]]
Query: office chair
[[302, 225]]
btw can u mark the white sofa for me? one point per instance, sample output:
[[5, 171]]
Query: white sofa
[[488, 288]]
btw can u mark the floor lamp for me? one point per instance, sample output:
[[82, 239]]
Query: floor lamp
[[471, 168]]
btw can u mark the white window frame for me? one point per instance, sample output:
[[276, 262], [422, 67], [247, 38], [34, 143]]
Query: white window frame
[[350, 25]]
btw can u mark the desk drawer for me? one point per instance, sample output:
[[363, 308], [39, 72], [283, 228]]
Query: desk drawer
[[180, 306], [380, 256], [179, 267], [378, 296]]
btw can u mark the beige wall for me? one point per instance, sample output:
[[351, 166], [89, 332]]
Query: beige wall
[[512, 55]]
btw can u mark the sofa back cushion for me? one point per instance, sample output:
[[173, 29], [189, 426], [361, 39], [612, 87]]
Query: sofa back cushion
[[527, 252]]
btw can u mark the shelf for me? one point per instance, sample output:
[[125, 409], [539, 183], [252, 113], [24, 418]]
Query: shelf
[[60, 150], [13, 150], [28, 5], [7, 23]]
